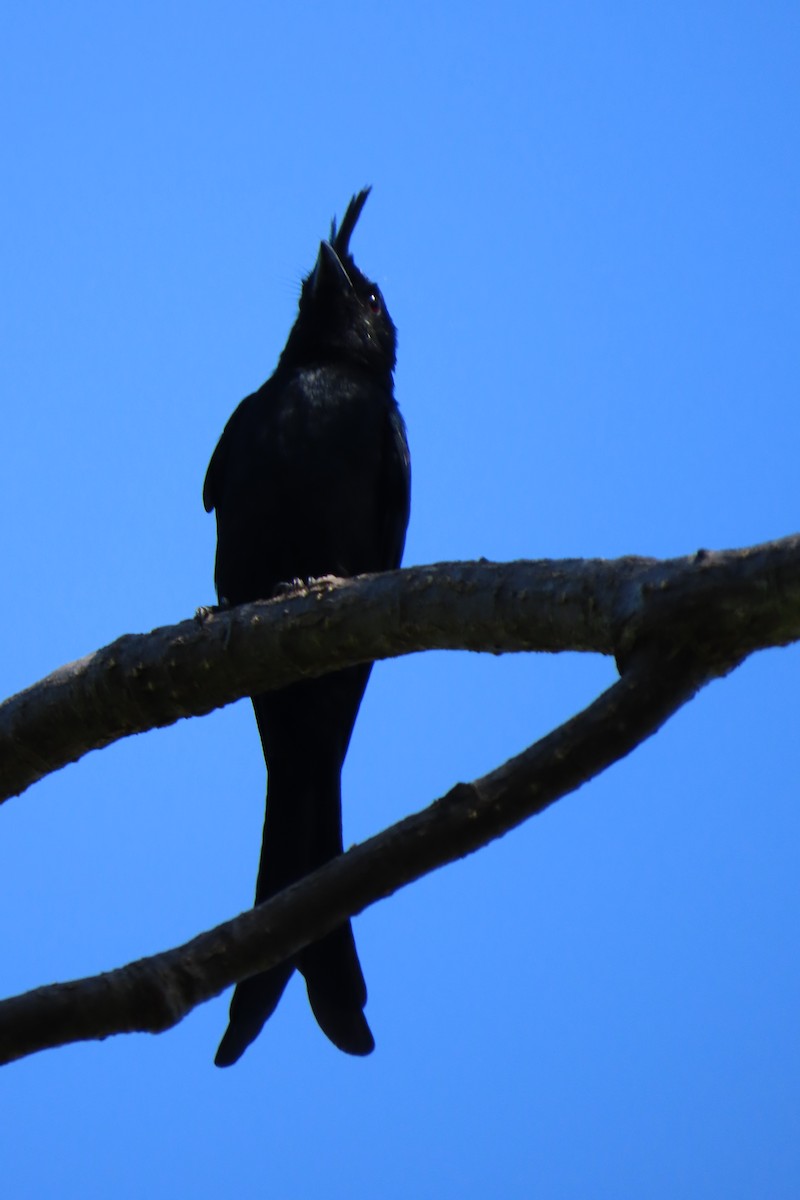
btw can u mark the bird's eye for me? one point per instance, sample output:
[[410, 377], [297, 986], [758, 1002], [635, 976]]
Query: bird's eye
[[374, 301]]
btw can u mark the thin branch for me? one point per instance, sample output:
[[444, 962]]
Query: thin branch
[[155, 993], [741, 599]]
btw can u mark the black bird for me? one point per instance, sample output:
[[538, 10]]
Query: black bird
[[311, 477]]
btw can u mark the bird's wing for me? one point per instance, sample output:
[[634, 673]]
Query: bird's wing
[[214, 472]]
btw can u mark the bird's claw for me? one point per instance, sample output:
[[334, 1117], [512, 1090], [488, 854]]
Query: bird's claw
[[205, 611], [287, 587]]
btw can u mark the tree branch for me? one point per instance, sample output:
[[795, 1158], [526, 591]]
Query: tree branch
[[673, 626], [155, 993], [737, 601]]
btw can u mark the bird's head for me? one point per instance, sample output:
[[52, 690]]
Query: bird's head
[[342, 315]]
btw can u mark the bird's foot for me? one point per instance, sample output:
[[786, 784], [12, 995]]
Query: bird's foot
[[288, 587], [205, 611]]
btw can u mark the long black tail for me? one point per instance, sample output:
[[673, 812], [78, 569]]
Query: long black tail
[[305, 731]]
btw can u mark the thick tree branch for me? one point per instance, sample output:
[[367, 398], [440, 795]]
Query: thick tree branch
[[672, 625], [731, 603], [153, 994]]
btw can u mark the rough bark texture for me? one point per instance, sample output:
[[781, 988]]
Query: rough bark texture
[[737, 600], [673, 626]]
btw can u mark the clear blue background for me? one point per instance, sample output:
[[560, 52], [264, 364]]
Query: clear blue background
[[585, 222]]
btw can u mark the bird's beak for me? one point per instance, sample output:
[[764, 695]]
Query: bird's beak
[[329, 271]]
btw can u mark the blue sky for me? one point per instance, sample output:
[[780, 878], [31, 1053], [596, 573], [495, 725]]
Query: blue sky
[[585, 223]]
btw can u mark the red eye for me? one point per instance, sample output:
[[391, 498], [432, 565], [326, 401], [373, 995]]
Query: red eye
[[374, 302]]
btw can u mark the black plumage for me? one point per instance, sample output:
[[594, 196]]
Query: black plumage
[[311, 477]]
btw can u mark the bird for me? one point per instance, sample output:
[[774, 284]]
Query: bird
[[311, 478]]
